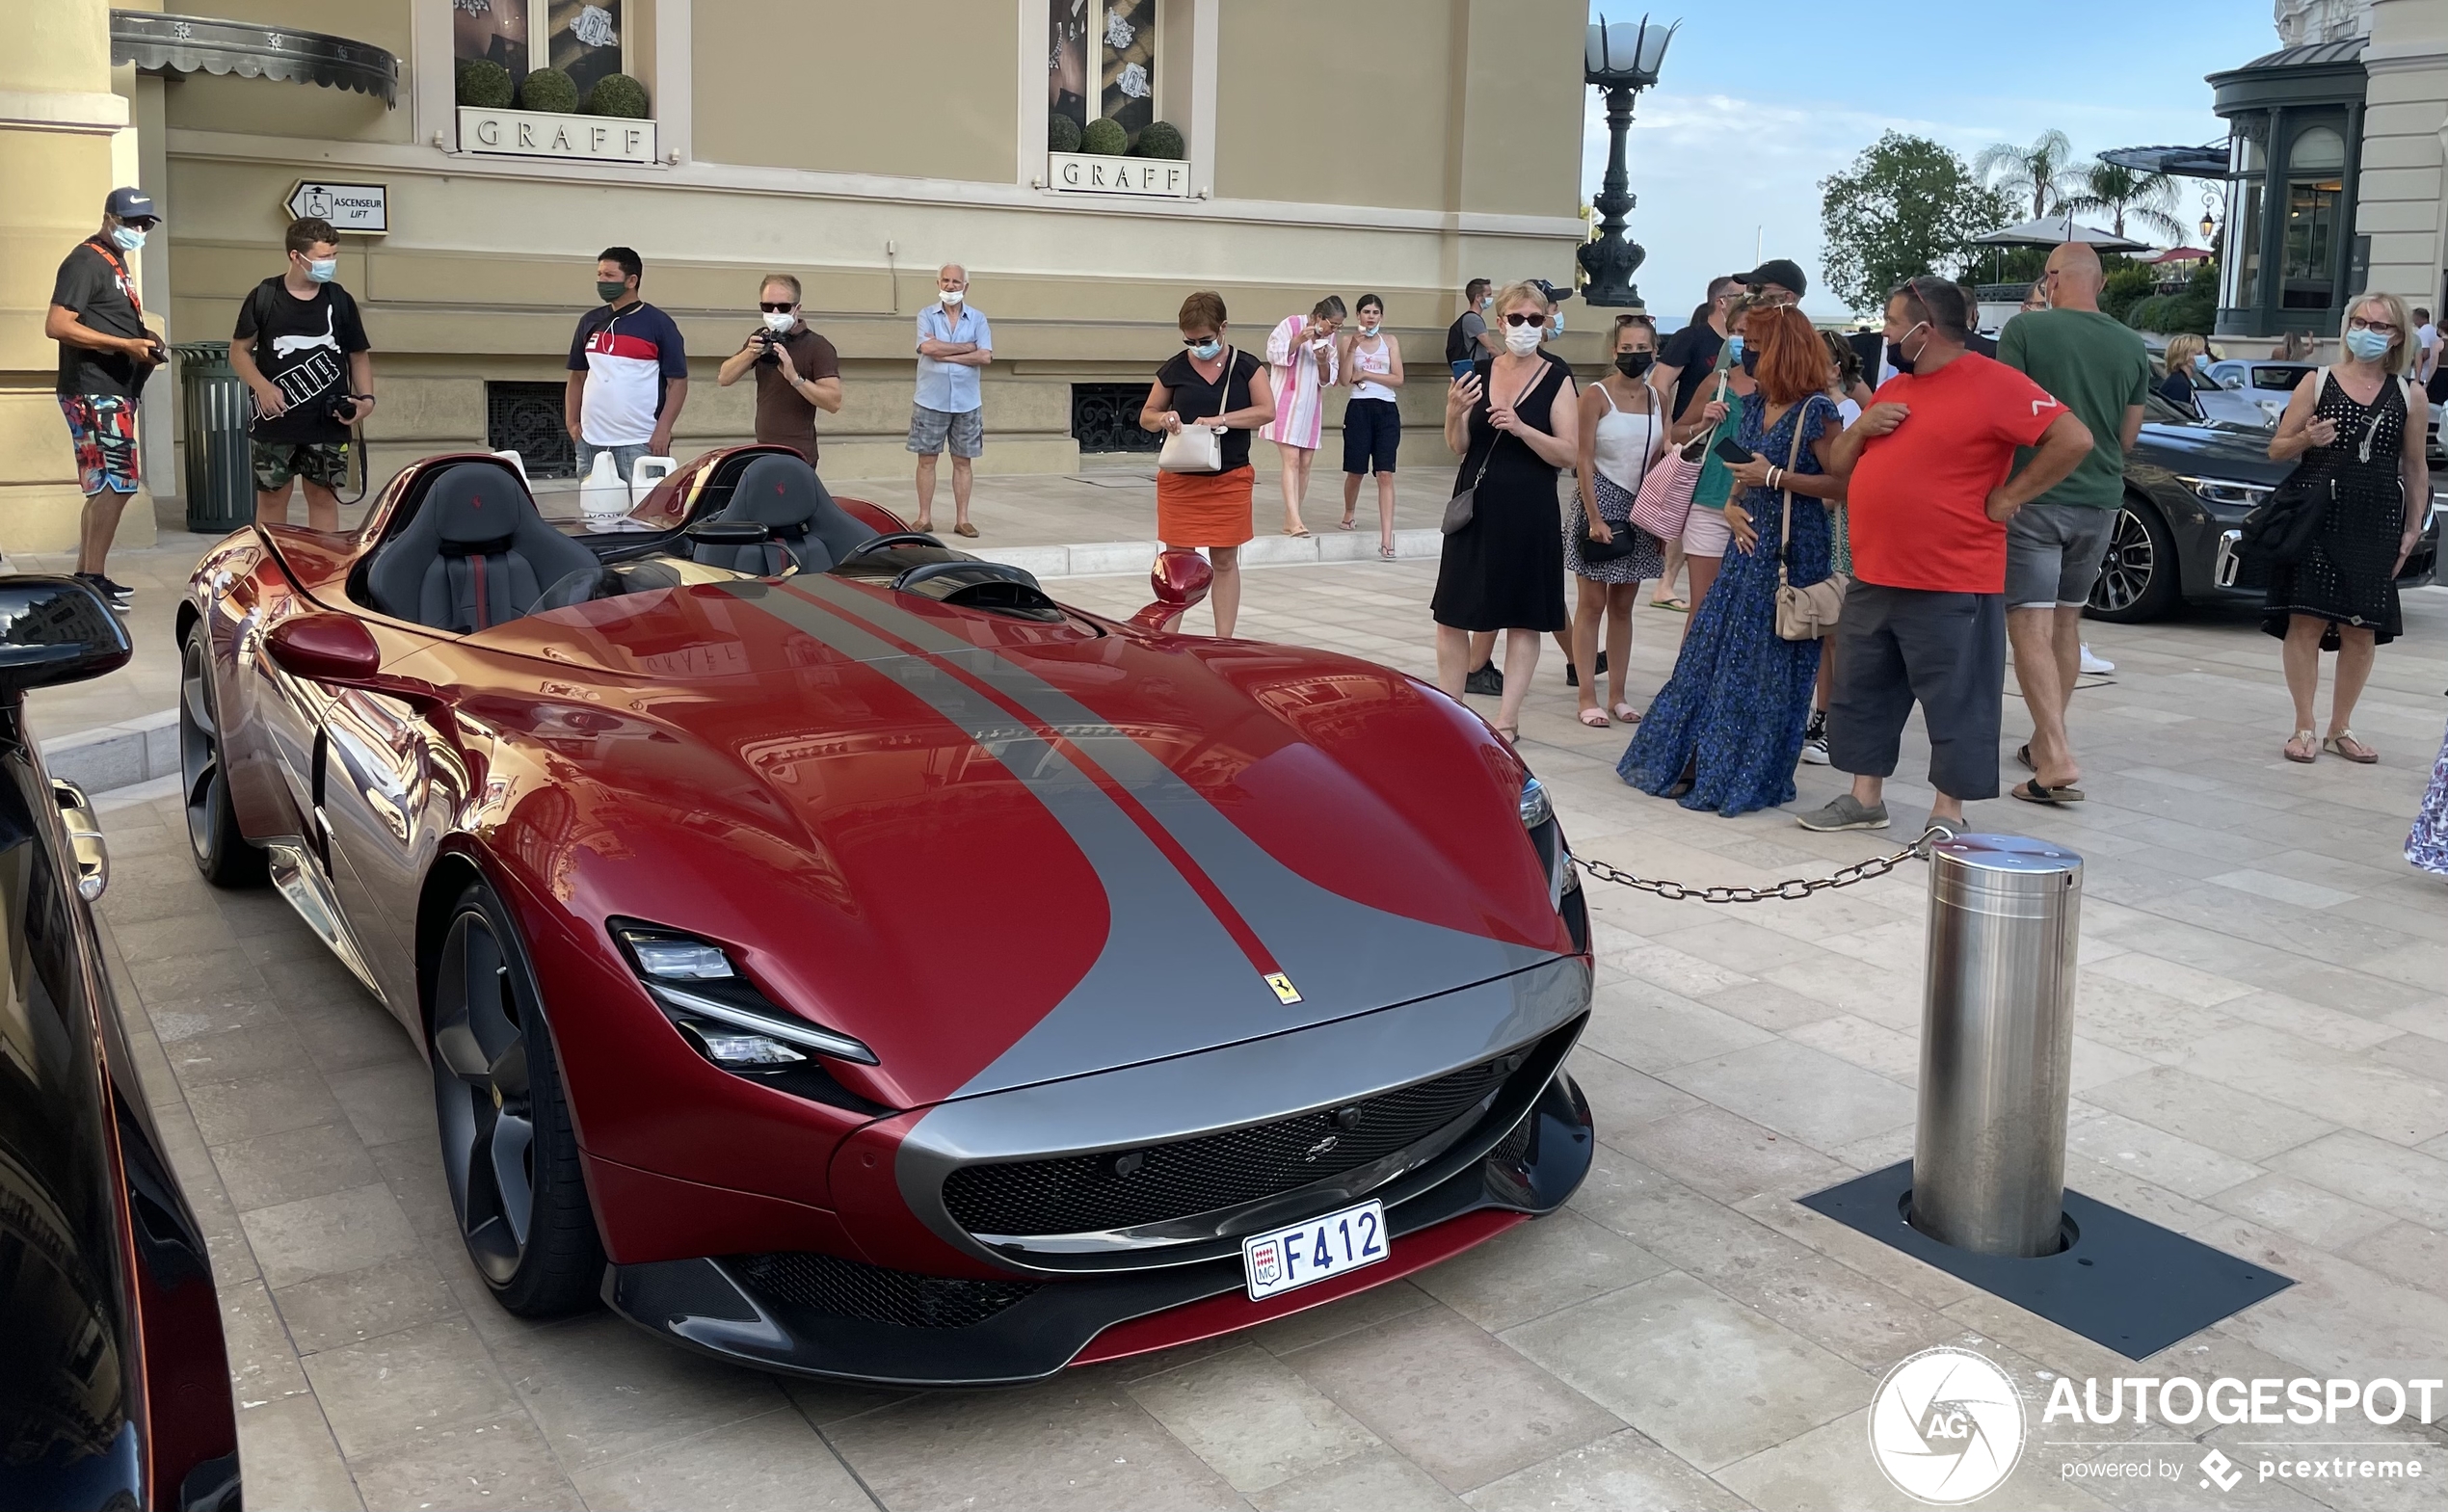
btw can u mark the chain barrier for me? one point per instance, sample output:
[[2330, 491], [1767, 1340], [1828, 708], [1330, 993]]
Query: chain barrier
[[1794, 887]]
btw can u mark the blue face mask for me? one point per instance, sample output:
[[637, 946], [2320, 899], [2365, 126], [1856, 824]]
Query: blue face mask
[[1734, 349], [322, 269], [128, 238], [2201, 361], [1207, 351], [2368, 345]]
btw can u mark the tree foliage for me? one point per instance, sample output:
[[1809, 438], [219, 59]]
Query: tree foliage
[[2147, 200], [2043, 173], [1906, 207]]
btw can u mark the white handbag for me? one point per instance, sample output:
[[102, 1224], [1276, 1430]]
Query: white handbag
[[1199, 448]]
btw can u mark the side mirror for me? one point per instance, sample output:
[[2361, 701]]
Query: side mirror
[[325, 648], [56, 629], [1179, 580]]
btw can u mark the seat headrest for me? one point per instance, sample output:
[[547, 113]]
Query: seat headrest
[[775, 491], [474, 503]]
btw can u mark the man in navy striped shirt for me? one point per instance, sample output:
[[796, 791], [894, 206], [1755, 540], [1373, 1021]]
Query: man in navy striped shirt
[[628, 371]]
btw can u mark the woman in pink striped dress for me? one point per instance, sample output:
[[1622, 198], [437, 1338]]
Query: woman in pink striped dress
[[1302, 352]]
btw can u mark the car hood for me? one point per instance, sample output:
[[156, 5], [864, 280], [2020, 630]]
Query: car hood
[[999, 851], [2209, 451]]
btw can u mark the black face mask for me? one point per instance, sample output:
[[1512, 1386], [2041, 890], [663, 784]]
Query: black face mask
[[1896, 358], [1633, 365], [1750, 360]]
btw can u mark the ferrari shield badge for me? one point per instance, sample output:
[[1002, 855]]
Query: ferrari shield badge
[[1285, 992]]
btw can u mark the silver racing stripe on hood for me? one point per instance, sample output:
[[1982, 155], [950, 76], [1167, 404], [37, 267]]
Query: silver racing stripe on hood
[[1343, 956]]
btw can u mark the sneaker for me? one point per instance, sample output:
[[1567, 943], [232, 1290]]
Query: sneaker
[[116, 597], [1815, 739], [114, 586], [1572, 674], [1845, 812], [2096, 666], [1485, 681]]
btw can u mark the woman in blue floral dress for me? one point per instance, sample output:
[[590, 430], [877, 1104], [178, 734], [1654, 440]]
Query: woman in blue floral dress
[[1726, 729], [2427, 846]]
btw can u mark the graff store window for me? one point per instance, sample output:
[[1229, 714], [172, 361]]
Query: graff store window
[[1103, 51], [584, 38]]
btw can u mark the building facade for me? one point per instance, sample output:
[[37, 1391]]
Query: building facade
[[1395, 146]]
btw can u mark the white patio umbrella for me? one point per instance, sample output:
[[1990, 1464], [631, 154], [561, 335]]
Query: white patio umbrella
[[2051, 229]]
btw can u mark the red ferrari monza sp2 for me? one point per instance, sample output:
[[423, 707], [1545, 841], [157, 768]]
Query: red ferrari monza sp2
[[841, 958]]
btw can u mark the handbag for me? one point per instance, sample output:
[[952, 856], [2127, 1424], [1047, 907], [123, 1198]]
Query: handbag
[[1621, 542], [1810, 612], [1665, 497], [2280, 529], [1199, 448]]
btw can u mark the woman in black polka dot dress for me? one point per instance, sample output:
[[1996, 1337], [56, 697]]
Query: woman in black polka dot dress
[[2360, 435]]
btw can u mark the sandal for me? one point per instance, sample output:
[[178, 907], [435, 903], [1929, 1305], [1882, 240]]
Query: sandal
[[1594, 717], [1348, 521], [2346, 744], [1510, 735], [1675, 606], [1386, 553], [2024, 756], [2036, 791], [1626, 715], [1296, 535], [2310, 744]]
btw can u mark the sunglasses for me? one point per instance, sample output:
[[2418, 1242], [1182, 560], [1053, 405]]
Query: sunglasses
[[1518, 318], [770, 308]]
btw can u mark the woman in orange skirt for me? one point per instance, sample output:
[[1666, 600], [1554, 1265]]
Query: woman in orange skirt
[[1212, 384]]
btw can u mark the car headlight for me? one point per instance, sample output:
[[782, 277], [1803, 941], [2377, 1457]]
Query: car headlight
[[2227, 492], [1536, 809], [718, 1010]]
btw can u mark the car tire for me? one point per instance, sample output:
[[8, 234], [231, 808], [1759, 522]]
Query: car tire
[[2140, 579], [509, 1153], [220, 850]]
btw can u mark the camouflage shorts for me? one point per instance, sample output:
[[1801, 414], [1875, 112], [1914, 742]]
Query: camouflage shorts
[[324, 464]]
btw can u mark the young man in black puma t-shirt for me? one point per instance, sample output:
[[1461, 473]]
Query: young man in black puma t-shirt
[[300, 348]]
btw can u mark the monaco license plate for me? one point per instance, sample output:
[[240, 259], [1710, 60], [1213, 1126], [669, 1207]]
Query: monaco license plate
[[1303, 1252]]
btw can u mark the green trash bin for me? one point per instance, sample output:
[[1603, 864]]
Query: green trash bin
[[220, 485]]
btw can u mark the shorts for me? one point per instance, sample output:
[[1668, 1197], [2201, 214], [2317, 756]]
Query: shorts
[[102, 428], [929, 429], [2053, 553], [322, 463], [1372, 431], [1705, 532], [1945, 651]]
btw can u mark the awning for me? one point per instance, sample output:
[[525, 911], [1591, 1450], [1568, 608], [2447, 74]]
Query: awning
[[158, 43], [2209, 161]]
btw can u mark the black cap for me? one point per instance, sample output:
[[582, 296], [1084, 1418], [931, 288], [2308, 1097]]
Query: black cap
[[132, 204], [1783, 272], [1555, 294]]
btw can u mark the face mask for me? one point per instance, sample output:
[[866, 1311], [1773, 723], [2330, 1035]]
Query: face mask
[[1734, 348], [1750, 362], [778, 321], [321, 269], [1523, 340], [1631, 364], [1368, 330], [2201, 361], [1207, 351], [2368, 345], [1485, 299], [128, 237], [1895, 350], [609, 292], [953, 297]]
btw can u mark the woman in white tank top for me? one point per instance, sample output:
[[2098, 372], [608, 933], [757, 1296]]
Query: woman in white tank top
[[1622, 429], [1372, 360]]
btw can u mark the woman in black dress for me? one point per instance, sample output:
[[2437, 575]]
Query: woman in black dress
[[2362, 446], [1516, 421]]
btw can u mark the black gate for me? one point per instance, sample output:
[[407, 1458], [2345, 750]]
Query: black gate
[[527, 418], [1104, 417]]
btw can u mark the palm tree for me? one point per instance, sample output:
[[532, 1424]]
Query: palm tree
[[2044, 171], [2148, 199]]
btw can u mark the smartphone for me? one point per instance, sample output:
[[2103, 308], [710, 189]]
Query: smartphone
[[1462, 368], [1731, 450]]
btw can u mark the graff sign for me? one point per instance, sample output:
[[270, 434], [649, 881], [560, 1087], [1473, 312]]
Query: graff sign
[[529, 133], [1087, 173]]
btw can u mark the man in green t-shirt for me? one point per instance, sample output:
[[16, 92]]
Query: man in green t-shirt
[[2096, 367]]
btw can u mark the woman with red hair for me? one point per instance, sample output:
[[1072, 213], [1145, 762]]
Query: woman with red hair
[[1726, 729]]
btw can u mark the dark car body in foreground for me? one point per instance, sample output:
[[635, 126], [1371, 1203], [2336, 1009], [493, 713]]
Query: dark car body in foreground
[[892, 973], [114, 1383], [2188, 486]]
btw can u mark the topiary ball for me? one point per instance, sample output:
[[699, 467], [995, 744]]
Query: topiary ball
[[485, 85], [617, 94], [1161, 138], [1105, 138], [548, 89], [1062, 133]]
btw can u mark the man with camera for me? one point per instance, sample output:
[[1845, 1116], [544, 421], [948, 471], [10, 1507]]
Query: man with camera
[[106, 353], [300, 350], [798, 373]]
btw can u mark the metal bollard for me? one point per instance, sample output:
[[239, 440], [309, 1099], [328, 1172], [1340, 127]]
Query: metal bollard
[[1997, 1045]]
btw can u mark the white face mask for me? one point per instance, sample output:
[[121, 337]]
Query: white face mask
[[1523, 340], [1368, 330], [954, 296], [778, 321]]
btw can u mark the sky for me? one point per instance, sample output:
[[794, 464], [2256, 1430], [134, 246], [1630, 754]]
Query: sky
[[1758, 102]]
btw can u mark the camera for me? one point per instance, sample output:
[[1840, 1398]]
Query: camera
[[341, 408], [766, 356]]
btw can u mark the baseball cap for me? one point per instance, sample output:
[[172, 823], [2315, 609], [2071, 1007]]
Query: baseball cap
[[132, 204], [1781, 271]]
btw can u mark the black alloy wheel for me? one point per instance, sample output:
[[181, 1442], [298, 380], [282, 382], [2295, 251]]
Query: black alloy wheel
[[221, 853], [2139, 578], [508, 1149]]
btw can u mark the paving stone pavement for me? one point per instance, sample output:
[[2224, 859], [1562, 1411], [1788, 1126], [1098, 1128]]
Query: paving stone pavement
[[2261, 1062]]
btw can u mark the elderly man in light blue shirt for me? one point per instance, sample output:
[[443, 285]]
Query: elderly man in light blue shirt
[[953, 342]]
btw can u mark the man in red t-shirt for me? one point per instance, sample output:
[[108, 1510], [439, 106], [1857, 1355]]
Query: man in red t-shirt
[[1928, 502]]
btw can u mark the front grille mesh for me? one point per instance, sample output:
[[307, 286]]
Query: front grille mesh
[[839, 1287], [1081, 1194]]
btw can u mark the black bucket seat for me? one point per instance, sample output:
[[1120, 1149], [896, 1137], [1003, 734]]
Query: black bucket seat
[[477, 554], [784, 495]]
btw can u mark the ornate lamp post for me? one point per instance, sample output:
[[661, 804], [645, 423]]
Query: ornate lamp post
[[1622, 59]]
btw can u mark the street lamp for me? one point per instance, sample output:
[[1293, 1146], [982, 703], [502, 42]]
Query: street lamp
[[1622, 59]]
